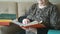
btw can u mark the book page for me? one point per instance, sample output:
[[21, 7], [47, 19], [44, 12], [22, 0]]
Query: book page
[[21, 24], [34, 23]]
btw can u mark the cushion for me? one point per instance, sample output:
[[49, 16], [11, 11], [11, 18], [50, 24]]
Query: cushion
[[54, 32]]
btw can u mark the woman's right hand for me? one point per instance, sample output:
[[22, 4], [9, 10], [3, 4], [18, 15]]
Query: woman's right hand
[[25, 21]]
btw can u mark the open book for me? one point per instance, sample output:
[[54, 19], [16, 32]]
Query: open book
[[34, 24]]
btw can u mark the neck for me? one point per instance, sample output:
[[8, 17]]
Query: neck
[[41, 6], [44, 4]]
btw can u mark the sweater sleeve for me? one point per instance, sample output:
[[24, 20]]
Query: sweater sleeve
[[27, 13], [54, 17], [30, 10]]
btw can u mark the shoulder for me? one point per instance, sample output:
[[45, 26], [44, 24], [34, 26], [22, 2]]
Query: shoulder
[[34, 5], [53, 5]]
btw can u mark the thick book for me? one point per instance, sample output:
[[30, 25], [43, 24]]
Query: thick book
[[5, 22], [8, 16], [33, 24]]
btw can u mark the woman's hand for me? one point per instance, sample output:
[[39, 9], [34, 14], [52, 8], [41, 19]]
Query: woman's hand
[[26, 21]]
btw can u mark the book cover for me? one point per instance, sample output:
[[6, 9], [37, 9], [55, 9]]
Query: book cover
[[5, 22], [8, 16]]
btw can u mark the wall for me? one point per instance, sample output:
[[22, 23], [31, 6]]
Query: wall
[[53, 1], [23, 6], [8, 7], [10, 0]]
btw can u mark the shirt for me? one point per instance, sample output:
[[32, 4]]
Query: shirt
[[48, 14]]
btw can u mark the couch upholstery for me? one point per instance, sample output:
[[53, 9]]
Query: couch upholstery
[[53, 32]]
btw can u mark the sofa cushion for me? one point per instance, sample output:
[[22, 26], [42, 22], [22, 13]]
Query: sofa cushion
[[54, 32]]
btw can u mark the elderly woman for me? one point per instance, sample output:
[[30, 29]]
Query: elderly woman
[[42, 11]]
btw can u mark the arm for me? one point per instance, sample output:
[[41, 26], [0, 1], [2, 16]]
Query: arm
[[54, 17], [28, 12]]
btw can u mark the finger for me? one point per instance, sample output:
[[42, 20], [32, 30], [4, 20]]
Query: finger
[[26, 21]]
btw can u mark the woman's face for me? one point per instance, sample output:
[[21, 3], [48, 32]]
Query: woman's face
[[42, 1]]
